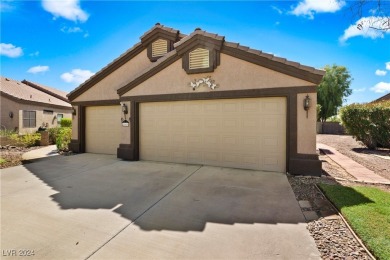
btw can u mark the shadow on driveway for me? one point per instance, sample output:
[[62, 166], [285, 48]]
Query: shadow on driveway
[[162, 196]]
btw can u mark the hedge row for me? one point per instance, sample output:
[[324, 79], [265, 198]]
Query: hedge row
[[368, 123]]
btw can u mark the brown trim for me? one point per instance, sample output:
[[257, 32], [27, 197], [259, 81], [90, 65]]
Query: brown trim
[[97, 102], [273, 65], [44, 90], [154, 70], [74, 146], [34, 103], [157, 33], [125, 152], [81, 125], [245, 93], [296, 164], [106, 71]]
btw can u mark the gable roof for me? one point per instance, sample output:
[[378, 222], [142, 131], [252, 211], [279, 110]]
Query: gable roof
[[269, 61], [48, 90], [24, 93], [155, 31], [382, 98]]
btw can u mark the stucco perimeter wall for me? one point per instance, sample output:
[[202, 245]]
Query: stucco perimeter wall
[[306, 143], [232, 74], [107, 87]]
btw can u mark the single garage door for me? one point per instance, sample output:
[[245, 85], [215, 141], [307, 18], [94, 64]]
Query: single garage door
[[245, 133], [102, 129]]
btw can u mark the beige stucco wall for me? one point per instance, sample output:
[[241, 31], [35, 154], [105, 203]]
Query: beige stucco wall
[[107, 87], [306, 139], [232, 74], [8, 105]]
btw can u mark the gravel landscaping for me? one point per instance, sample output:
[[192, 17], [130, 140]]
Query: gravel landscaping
[[13, 155], [333, 238]]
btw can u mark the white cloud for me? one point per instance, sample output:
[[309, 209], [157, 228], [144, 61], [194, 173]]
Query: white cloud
[[10, 50], [380, 72], [278, 10], [359, 90], [66, 29], [38, 69], [309, 7], [34, 54], [76, 76], [364, 24], [388, 65], [68, 9], [381, 87]]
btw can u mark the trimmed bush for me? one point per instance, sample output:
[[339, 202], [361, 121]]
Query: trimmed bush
[[27, 140], [63, 138], [66, 122], [53, 132], [368, 123]]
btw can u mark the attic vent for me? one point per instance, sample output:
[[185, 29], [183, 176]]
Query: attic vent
[[159, 48], [199, 59]]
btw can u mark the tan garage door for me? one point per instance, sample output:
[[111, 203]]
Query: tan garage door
[[102, 129], [241, 133]]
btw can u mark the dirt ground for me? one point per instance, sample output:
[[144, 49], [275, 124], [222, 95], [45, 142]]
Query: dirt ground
[[375, 160]]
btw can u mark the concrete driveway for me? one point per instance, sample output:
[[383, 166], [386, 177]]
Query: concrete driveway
[[99, 207]]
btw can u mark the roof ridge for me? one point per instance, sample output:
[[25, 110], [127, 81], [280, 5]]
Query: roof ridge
[[45, 90]]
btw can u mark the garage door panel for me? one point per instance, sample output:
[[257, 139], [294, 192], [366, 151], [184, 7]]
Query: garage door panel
[[240, 133], [102, 129]]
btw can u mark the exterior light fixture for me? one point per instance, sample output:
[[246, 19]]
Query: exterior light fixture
[[307, 104], [124, 109], [73, 111], [11, 114]]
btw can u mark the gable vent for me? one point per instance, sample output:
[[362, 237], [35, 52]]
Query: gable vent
[[199, 59], [159, 48]]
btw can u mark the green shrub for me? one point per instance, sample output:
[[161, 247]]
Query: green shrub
[[318, 107], [6, 132], [64, 136], [27, 140], [368, 123], [53, 132], [66, 122]]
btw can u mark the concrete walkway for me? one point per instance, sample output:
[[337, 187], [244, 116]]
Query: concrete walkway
[[39, 153], [357, 170]]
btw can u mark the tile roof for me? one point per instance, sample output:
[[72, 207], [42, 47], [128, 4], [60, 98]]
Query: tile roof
[[21, 91], [49, 90], [383, 98]]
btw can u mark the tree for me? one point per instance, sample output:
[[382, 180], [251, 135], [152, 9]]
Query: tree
[[332, 90], [372, 14]]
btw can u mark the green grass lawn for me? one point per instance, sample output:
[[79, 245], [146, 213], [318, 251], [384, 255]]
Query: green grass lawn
[[367, 210]]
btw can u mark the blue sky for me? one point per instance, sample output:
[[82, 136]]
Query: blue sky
[[62, 43]]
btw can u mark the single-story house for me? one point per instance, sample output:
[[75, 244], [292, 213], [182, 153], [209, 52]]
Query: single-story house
[[26, 106], [199, 99]]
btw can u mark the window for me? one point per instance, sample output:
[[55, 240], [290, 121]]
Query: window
[[29, 119], [49, 112], [199, 59], [59, 118], [159, 48]]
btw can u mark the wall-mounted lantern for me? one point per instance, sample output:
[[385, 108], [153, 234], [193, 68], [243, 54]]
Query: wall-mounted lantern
[[306, 105], [74, 111], [124, 109], [11, 114]]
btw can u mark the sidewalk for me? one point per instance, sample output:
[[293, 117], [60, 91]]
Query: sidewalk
[[357, 170], [46, 151]]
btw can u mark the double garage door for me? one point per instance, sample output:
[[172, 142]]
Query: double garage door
[[241, 133]]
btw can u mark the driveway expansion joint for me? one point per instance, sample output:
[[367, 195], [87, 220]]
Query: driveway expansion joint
[[144, 212]]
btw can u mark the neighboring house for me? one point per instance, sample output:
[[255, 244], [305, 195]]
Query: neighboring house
[[199, 99], [383, 98], [25, 106]]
